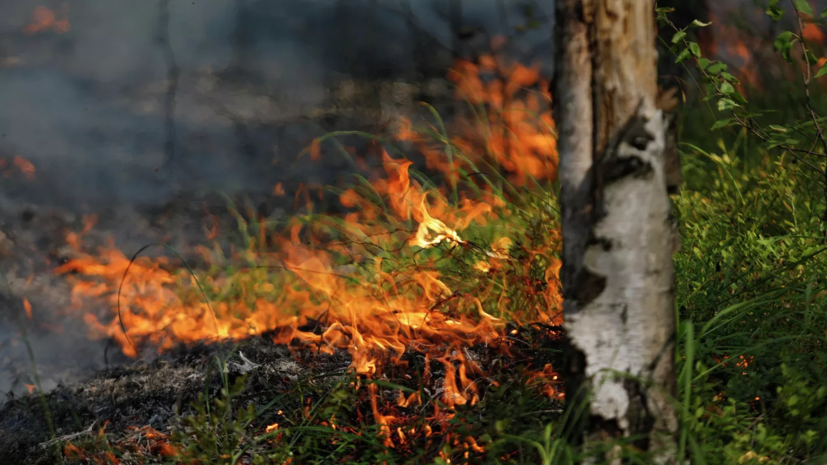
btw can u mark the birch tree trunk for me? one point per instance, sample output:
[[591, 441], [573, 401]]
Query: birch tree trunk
[[618, 232]]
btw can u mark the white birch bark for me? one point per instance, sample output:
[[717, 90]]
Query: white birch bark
[[618, 233]]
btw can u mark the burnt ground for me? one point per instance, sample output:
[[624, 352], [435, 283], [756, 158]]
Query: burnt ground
[[163, 392], [148, 393]]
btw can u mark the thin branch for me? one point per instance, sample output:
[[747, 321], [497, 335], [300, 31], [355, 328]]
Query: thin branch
[[805, 75], [755, 129], [69, 437]]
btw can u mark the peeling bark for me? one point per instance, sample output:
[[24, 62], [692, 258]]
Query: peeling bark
[[616, 164]]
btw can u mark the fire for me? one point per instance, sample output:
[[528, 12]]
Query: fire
[[546, 380], [379, 280], [24, 166], [745, 48], [28, 308], [18, 163], [515, 132], [518, 132], [432, 231], [725, 41], [44, 19]]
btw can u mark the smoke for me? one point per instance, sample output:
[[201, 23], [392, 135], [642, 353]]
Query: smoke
[[96, 111], [139, 105]]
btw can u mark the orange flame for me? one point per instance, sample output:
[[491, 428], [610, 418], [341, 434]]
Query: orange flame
[[24, 166], [44, 19], [21, 164], [358, 283], [28, 308]]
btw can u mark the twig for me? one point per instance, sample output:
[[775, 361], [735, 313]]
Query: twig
[[536, 412], [69, 437]]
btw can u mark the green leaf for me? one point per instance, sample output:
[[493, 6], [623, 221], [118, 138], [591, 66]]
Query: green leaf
[[728, 77], [703, 62], [722, 123], [695, 48], [678, 37], [726, 88], [810, 57], [738, 98], [803, 6], [726, 104], [685, 53], [823, 14], [822, 71], [777, 128], [697, 23], [783, 43], [774, 11], [716, 68]]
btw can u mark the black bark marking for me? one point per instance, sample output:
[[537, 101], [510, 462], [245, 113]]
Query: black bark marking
[[671, 157], [640, 419], [588, 286], [605, 244], [624, 314], [615, 169], [610, 166], [606, 427], [576, 391], [635, 133]]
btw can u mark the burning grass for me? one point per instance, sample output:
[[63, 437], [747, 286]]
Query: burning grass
[[415, 281]]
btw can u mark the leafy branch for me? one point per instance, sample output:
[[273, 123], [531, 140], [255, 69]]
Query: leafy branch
[[721, 87]]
